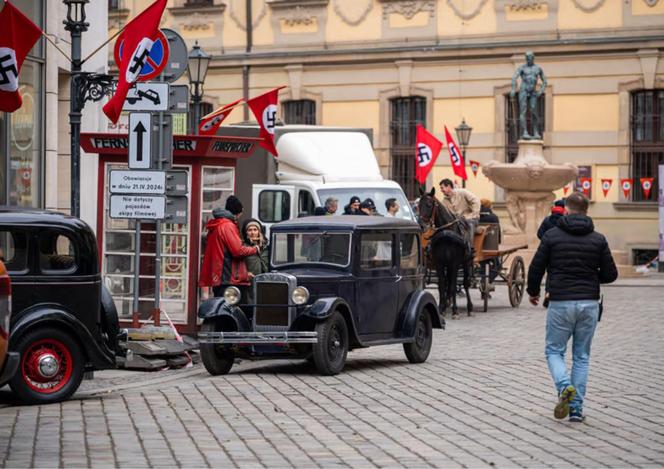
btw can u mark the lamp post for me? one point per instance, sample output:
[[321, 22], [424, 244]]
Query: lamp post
[[463, 132], [197, 69], [83, 87]]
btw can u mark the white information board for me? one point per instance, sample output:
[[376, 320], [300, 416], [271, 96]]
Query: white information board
[[139, 207], [137, 182]]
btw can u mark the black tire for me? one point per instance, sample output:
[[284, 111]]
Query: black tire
[[330, 351], [217, 359], [418, 350], [516, 281], [38, 348]]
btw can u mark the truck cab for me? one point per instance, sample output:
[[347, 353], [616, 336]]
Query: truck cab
[[313, 166]]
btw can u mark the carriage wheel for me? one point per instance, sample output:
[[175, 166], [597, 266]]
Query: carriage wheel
[[516, 281], [485, 286]]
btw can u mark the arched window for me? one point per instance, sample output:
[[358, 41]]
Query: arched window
[[405, 114], [647, 140]]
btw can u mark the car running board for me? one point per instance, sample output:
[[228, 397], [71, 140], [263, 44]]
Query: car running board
[[286, 337]]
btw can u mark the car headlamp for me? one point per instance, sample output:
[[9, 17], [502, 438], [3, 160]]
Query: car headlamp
[[232, 295], [300, 295]]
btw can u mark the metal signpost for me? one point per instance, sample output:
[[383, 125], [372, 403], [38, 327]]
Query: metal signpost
[[146, 191], [660, 199]]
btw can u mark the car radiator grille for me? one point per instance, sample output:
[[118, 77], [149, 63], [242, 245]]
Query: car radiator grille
[[268, 293]]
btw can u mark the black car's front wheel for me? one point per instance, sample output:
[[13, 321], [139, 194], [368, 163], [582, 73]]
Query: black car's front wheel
[[418, 350], [217, 359], [51, 366], [329, 353]]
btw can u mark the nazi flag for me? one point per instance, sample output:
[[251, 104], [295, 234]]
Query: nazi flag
[[426, 151], [17, 36], [264, 108]]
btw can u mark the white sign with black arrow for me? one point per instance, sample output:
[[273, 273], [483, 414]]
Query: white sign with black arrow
[[140, 139]]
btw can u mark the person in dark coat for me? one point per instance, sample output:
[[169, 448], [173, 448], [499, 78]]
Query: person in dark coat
[[318, 211], [578, 260], [367, 207], [252, 235], [353, 207], [557, 212]]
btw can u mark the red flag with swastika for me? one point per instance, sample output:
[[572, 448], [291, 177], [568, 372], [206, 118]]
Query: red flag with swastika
[[264, 108], [456, 157], [427, 150], [139, 36], [646, 185], [17, 36], [210, 123]]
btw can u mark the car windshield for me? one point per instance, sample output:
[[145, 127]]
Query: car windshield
[[311, 248], [378, 194]]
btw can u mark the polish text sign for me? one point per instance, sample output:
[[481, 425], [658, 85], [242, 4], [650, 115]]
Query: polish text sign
[[138, 207], [138, 182]]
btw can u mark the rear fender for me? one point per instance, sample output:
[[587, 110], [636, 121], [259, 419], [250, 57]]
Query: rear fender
[[98, 357], [218, 308], [418, 301]]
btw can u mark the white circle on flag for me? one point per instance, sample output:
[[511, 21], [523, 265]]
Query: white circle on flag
[[647, 185], [270, 118], [9, 75], [586, 184], [424, 154], [626, 185], [214, 121], [606, 185]]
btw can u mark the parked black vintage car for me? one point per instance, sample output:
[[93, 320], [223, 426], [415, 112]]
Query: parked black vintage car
[[338, 283], [64, 322]]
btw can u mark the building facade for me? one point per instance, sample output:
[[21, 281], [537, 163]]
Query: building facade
[[390, 64]]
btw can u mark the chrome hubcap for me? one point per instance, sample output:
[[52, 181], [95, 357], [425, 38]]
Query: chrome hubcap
[[48, 365]]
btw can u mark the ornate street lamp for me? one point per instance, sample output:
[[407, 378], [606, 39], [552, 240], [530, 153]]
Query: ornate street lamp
[[84, 86], [197, 69], [463, 132]]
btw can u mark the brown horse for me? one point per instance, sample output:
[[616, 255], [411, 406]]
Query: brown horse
[[448, 250]]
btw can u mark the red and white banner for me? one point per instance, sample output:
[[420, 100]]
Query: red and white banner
[[606, 186], [427, 150], [17, 36], [456, 157], [209, 124], [586, 185], [626, 186], [474, 166], [566, 188], [139, 35], [646, 185], [264, 108]]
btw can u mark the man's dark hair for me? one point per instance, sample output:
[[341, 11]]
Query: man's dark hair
[[446, 182], [577, 203], [391, 202]]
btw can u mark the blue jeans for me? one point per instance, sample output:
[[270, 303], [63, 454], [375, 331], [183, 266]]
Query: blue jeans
[[565, 319]]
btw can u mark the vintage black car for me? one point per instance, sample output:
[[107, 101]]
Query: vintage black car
[[64, 322], [337, 284]]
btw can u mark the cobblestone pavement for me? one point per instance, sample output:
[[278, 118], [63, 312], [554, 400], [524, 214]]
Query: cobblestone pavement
[[484, 398]]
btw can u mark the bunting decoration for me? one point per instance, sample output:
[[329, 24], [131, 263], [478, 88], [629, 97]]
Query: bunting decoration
[[626, 186], [474, 166], [606, 186], [456, 157], [264, 108], [209, 124], [566, 188], [427, 150], [586, 185], [646, 185], [17, 36]]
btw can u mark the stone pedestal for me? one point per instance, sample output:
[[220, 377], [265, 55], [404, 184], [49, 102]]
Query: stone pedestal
[[529, 183]]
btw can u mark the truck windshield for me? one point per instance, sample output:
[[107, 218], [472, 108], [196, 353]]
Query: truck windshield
[[378, 195], [311, 248]]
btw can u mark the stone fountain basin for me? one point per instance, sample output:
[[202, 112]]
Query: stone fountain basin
[[531, 176]]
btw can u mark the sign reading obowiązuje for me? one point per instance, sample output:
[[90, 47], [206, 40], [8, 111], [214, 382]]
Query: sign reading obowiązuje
[[137, 182], [141, 207]]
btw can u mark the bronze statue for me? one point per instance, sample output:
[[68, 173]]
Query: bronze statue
[[528, 94]]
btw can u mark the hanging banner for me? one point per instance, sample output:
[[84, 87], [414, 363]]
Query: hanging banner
[[626, 186], [660, 200], [586, 185], [566, 188], [426, 152], [646, 185], [474, 166], [606, 186]]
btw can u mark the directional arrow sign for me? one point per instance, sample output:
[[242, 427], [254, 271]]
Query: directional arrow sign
[[140, 137], [147, 97]]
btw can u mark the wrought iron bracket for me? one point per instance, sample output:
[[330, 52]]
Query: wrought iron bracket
[[91, 87]]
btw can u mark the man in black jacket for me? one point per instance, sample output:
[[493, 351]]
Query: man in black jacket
[[578, 260]]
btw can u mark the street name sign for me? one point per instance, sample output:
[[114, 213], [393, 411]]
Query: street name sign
[[140, 139], [138, 207], [137, 182], [147, 96]]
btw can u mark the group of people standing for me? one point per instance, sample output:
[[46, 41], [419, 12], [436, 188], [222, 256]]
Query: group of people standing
[[357, 207]]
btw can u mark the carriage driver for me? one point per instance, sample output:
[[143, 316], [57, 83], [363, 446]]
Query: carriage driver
[[464, 204]]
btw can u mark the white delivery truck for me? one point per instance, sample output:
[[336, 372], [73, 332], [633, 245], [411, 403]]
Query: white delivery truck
[[313, 166]]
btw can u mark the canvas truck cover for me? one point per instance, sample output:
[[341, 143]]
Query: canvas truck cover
[[326, 157]]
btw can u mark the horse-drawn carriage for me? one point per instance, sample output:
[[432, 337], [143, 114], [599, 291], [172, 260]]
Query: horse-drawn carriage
[[449, 263]]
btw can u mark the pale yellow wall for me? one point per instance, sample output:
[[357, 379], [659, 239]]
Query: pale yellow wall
[[480, 185], [339, 31], [609, 15], [263, 34], [352, 114], [478, 112], [450, 24], [232, 35], [593, 112], [399, 21], [606, 172], [289, 28], [641, 8], [541, 13]]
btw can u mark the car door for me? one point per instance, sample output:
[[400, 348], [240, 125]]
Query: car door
[[377, 290], [272, 203], [15, 243], [410, 269]]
